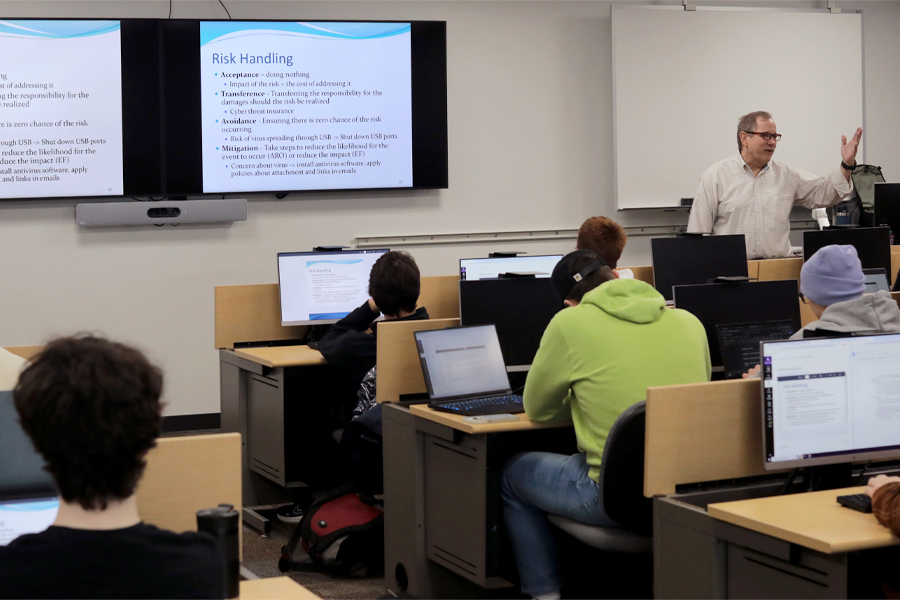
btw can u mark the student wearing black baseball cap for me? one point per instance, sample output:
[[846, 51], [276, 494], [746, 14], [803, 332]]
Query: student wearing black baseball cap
[[597, 357]]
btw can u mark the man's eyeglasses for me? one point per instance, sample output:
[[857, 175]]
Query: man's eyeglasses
[[766, 135], [803, 298]]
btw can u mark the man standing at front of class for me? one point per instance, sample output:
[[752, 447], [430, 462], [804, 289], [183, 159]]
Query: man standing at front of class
[[753, 194]]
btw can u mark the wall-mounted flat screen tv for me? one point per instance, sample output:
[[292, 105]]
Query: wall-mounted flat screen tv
[[79, 108], [138, 107]]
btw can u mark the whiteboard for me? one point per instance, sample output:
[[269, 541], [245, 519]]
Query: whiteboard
[[682, 79]]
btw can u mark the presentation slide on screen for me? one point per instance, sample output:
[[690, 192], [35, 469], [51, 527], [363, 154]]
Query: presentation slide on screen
[[322, 287], [294, 106], [60, 109], [18, 518]]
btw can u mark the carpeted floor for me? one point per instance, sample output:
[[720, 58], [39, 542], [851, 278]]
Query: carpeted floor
[[261, 554]]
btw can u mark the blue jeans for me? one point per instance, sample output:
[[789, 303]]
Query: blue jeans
[[532, 485]]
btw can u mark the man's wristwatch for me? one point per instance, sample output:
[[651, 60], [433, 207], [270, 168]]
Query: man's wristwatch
[[846, 166]]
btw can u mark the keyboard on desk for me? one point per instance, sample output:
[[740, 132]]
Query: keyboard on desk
[[492, 405], [860, 502]]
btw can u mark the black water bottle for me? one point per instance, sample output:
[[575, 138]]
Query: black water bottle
[[222, 523]]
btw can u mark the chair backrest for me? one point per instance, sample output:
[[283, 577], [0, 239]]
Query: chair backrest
[[622, 471]]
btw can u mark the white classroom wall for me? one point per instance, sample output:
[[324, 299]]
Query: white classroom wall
[[530, 140]]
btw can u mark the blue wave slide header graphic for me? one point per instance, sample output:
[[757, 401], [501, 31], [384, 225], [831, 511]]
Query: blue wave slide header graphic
[[56, 30], [211, 31], [28, 506], [346, 261]]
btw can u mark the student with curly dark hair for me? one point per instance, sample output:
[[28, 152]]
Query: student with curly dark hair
[[92, 409]]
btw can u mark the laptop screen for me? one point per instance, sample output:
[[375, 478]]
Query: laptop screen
[[462, 361], [18, 517], [740, 343]]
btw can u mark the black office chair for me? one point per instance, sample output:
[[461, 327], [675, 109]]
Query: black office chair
[[622, 480]]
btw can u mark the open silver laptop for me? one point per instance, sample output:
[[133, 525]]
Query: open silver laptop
[[464, 371]]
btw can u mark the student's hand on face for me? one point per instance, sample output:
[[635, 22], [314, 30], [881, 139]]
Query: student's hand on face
[[372, 306], [751, 373], [848, 149], [877, 482]]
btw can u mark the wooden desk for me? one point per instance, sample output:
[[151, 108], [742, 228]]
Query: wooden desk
[[813, 520], [767, 546], [735, 537], [282, 356], [456, 422], [274, 588], [284, 401], [444, 532]]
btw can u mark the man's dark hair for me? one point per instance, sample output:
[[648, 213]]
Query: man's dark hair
[[748, 123], [604, 236], [91, 407], [590, 268], [394, 283]]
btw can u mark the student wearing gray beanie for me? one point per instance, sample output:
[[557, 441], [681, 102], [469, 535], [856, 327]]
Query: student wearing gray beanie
[[833, 274], [833, 284]]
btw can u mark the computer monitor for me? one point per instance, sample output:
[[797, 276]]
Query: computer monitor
[[739, 343], [873, 244], [318, 288], [876, 281], [887, 206], [696, 259], [745, 302], [520, 308], [28, 502], [483, 268], [829, 401]]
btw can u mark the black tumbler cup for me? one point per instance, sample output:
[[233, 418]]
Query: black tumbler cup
[[222, 523]]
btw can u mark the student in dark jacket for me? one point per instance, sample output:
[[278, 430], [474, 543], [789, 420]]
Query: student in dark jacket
[[351, 343], [394, 290], [91, 407]]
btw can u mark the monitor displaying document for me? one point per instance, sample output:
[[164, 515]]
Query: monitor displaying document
[[831, 400], [485, 268], [323, 287]]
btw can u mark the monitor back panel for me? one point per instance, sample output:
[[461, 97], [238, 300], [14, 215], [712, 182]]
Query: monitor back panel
[[520, 308], [873, 244], [725, 303], [692, 260], [887, 206]]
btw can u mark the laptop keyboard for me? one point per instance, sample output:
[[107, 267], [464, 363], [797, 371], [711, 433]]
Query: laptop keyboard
[[492, 405]]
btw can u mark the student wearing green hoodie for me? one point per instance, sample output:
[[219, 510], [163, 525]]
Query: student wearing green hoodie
[[596, 358]]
